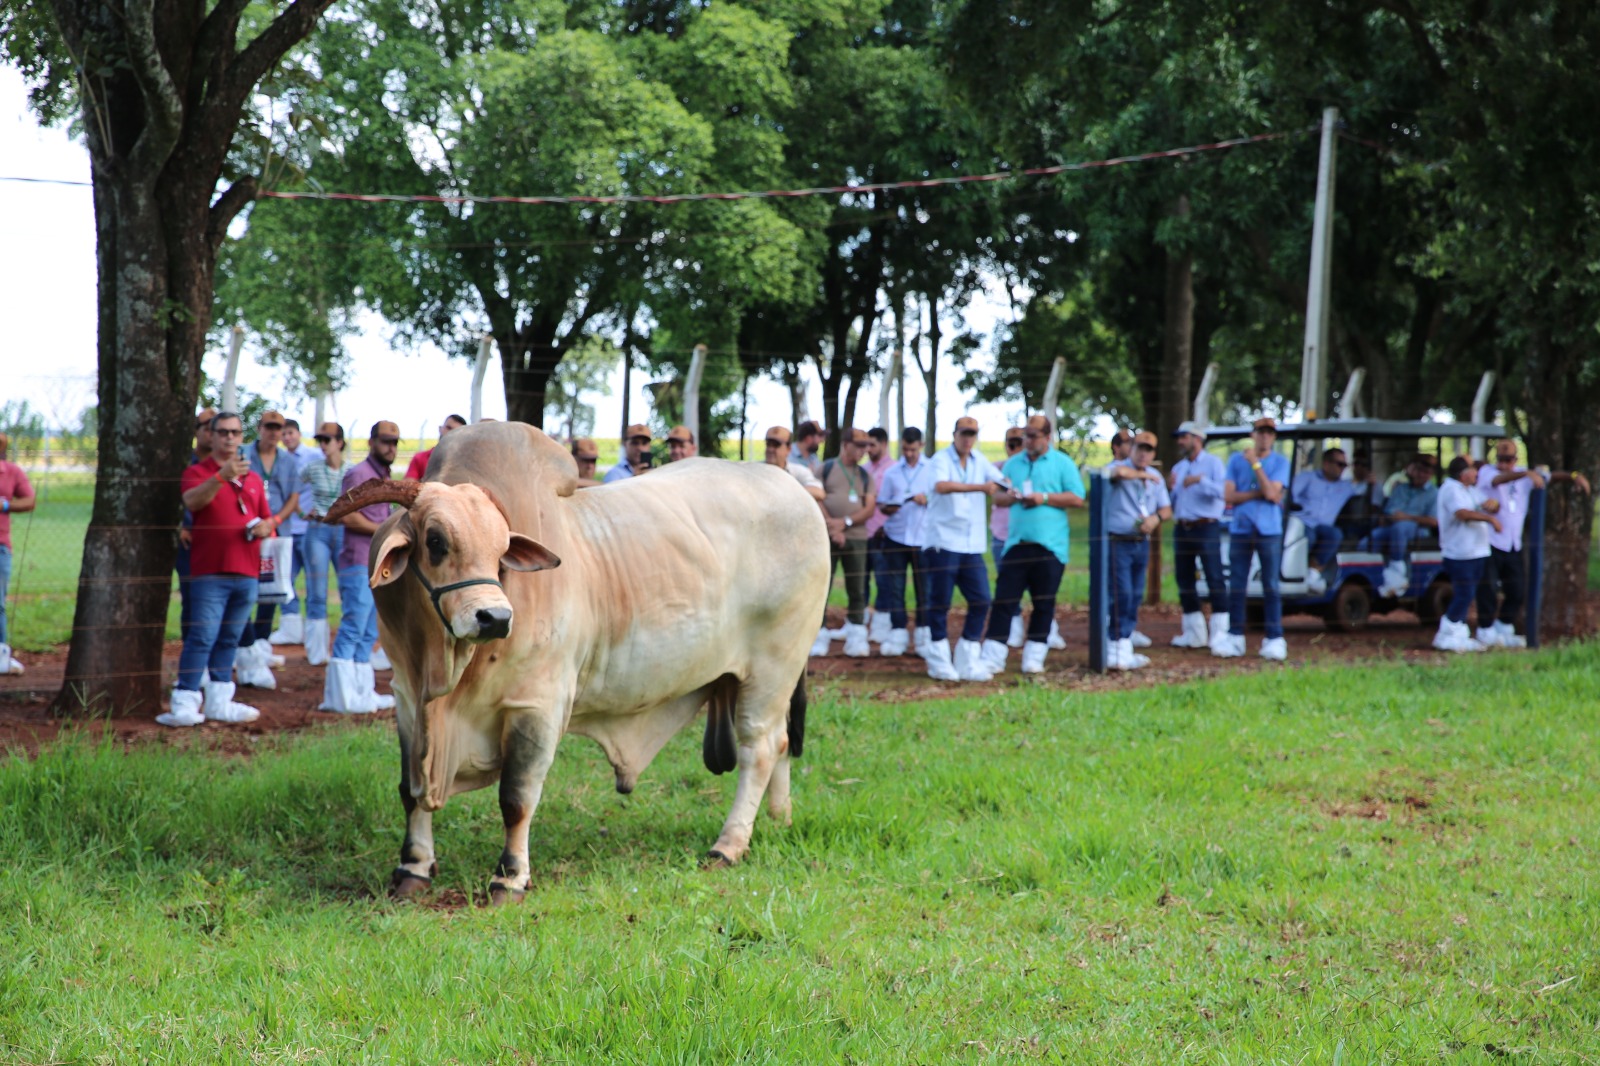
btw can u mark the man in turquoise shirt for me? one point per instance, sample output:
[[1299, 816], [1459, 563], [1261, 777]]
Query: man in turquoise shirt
[[1044, 483]]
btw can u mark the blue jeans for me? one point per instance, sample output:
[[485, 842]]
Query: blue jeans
[[946, 571], [1464, 576], [358, 616], [1244, 544], [893, 559], [321, 547], [1202, 543], [1030, 568], [5, 587], [219, 612], [1129, 560], [1325, 541], [1393, 541]]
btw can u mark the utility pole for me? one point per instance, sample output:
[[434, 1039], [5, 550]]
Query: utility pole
[[1314, 365], [230, 376], [691, 393], [479, 369]]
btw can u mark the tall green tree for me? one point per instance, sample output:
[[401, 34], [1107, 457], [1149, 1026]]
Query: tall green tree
[[160, 92]]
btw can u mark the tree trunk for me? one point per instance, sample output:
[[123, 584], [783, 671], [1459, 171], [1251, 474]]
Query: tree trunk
[[1563, 433], [1177, 358], [528, 360], [162, 88], [930, 374]]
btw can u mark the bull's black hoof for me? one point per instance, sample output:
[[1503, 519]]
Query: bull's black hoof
[[715, 860], [500, 895], [403, 884]]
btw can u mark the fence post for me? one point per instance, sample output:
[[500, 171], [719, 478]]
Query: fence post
[[1099, 570], [1533, 556]]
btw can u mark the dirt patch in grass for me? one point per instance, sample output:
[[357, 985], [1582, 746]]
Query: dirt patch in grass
[[25, 722]]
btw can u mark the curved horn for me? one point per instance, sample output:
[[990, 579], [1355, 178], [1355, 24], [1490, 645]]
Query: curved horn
[[378, 490]]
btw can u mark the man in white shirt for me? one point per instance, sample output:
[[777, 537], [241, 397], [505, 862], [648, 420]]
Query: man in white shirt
[[903, 500], [954, 538], [1464, 524]]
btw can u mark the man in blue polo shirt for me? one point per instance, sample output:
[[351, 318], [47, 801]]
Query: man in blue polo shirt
[[1197, 536], [1254, 489], [1139, 504], [1320, 495], [1046, 482]]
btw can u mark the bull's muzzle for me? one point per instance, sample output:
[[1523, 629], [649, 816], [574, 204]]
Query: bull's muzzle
[[494, 623]]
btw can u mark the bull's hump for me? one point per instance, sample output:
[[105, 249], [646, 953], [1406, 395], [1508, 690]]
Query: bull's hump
[[512, 458]]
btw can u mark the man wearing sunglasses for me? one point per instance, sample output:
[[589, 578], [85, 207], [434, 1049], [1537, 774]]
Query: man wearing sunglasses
[[1319, 496], [778, 454], [350, 686], [635, 454], [418, 466], [952, 553], [229, 504]]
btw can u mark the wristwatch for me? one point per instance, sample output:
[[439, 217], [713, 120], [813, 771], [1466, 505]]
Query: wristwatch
[[848, 521]]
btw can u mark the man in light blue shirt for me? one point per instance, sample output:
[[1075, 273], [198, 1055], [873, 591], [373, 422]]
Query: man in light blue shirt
[[1320, 495], [280, 472], [1139, 504], [1253, 486], [1408, 515], [291, 629], [635, 454], [903, 498], [1197, 508], [1044, 482], [954, 536]]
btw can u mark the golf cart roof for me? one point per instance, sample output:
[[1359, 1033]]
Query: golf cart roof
[[1365, 427]]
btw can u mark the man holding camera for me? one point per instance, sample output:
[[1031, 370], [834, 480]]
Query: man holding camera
[[636, 457], [231, 513]]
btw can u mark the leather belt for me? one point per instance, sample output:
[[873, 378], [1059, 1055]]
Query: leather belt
[[1196, 521], [1129, 537]]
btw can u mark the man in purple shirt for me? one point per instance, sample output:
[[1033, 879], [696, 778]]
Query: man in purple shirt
[[350, 687]]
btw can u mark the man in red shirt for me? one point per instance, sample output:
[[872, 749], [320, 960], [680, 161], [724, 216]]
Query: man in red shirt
[[231, 515], [16, 496], [419, 462]]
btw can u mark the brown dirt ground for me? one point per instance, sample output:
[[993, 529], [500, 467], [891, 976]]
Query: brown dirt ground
[[25, 722]]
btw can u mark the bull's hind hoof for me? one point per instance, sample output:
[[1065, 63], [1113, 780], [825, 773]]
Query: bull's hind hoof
[[715, 860], [403, 884], [500, 895]]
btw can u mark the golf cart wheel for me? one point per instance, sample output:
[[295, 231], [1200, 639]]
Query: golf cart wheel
[[1434, 601], [1350, 608]]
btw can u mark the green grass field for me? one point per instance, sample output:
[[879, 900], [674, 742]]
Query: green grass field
[[1396, 864]]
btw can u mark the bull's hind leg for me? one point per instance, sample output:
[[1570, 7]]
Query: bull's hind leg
[[527, 750], [760, 727]]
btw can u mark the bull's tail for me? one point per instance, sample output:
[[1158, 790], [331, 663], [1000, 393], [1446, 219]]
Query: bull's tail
[[719, 749], [797, 718]]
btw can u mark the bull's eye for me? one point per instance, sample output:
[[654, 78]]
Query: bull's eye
[[436, 547]]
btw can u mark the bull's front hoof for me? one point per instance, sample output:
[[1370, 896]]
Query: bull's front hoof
[[500, 895], [403, 884], [715, 860]]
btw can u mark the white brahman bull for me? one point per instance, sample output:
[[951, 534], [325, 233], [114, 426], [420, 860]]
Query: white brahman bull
[[516, 610]]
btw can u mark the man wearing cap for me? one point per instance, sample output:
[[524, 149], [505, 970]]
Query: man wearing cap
[[680, 444], [16, 497], [1197, 506], [1409, 514], [418, 467], [1139, 504], [586, 454], [635, 455], [954, 537], [1045, 482], [231, 515], [849, 500], [1253, 487], [279, 471], [778, 454], [350, 687], [903, 501], [1320, 495], [877, 462], [807, 443]]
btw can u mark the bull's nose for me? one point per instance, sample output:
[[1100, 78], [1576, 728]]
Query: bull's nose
[[494, 622]]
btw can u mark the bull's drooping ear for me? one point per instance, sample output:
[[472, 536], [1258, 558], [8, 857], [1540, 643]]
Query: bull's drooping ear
[[391, 554], [527, 554]]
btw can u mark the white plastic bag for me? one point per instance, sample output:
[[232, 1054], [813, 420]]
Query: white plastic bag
[[277, 570]]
